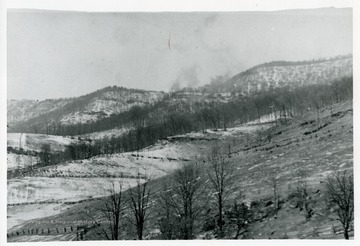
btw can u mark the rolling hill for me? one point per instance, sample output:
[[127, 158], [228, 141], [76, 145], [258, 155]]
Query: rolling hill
[[298, 146], [286, 74], [280, 120], [85, 109], [39, 116]]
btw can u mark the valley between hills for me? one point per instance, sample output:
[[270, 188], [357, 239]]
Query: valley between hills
[[278, 137]]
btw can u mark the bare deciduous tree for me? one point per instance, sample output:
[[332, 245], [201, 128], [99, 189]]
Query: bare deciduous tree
[[316, 101], [221, 174], [113, 211], [140, 203], [167, 221], [340, 192], [186, 198]]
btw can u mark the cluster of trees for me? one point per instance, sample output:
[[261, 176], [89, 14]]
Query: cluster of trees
[[21, 151], [154, 122], [46, 157], [208, 197], [281, 102], [121, 209], [180, 205], [187, 199], [340, 193], [210, 113]]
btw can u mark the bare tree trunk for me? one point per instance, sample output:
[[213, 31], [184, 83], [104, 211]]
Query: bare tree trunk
[[221, 218], [221, 176], [139, 203]]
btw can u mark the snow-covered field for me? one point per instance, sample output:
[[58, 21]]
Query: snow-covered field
[[264, 119], [19, 214], [165, 149], [118, 165], [81, 179], [59, 189], [246, 128], [16, 140], [116, 132], [233, 131], [78, 180], [30, 141]]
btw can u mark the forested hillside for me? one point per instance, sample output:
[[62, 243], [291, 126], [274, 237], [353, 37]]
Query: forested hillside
[[268, 171], [149, 124], [285, 74], [117, 107], [37, 116]]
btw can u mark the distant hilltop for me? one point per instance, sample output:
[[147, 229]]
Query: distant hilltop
[[114, 100], [284, 73]]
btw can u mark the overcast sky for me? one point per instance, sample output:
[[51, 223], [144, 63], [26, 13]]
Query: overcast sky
[[53, 54]]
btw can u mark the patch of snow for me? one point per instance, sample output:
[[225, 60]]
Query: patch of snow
[[20, 214], [116, 132], [31, 141], [38, 189]]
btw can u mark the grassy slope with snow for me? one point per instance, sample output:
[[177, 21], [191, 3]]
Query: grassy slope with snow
[[18, 215], [290, 150], [119, 165], [257, 160], [32, 142], [71, 181]]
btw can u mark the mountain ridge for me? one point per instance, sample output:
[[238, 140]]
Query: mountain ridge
[[113, 100], [285, 73], [86, 108]]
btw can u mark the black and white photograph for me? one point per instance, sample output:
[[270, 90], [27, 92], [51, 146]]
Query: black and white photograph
[[203, 124]]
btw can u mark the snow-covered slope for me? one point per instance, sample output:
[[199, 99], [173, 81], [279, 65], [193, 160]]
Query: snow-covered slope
[[42, 116], [84, 109], [111, 102], [30, 141], [116, 132], [280, 74], [22, 110]]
